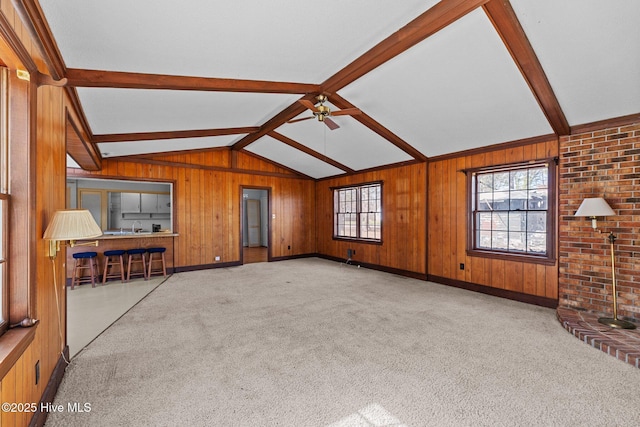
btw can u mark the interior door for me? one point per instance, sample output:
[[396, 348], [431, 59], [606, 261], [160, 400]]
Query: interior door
[[253, 223]]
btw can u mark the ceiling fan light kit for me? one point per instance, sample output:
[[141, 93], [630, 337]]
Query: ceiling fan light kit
[[323, 112]]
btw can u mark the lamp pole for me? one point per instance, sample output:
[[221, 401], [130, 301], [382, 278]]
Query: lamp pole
[[614, 322]]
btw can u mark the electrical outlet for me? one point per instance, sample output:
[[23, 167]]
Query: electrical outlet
[[289, 247], [461, 266], [217, 258]]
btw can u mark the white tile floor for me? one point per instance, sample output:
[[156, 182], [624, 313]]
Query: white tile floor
[[92, 310]]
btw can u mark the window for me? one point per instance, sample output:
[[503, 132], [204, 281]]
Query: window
[[511, 211], [4, 198], [357, 212]]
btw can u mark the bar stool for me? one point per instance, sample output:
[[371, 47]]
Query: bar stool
[[159, 251], [113, 258], [132, 260], [85, 261]]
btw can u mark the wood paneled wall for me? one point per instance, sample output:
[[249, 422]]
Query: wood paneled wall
[[447, 226], [45, 166], [404, 198], [207, 202]]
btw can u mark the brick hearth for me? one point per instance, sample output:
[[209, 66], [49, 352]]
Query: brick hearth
[[621, 343]]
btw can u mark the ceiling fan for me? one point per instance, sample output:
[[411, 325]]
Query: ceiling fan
[[323, 112]]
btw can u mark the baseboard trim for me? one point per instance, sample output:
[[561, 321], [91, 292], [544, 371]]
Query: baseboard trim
[[397, 271], [206, 266], [496, 292], [50, 391], [285, 258]]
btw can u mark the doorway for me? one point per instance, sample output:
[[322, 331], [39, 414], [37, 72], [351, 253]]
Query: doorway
[[255, 224]]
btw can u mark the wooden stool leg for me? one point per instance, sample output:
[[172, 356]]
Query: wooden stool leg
[[164, 266], [129, 267], [122, 268], [105, 268], [93, 273], [75, 273], [150, 263], [144, 267]]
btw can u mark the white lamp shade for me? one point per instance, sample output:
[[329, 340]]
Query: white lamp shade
[[72, 224], [593, 207]]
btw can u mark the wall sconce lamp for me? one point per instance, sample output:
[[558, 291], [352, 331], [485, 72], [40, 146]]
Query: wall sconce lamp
[[593, 208], [71, 225]]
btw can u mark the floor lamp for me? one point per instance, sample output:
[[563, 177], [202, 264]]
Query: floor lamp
[[593, 208], [68, 226]]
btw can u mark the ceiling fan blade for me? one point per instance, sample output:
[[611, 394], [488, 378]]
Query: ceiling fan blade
[[346, 111], [300, 120], [308, 104], [330, 123]]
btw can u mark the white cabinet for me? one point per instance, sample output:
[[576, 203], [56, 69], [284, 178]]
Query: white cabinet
[[130, 202], [148, 203], [164, 203], [145, 203]]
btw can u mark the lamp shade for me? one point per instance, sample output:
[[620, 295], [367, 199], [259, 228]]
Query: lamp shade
[[72, 224], [596, 206]]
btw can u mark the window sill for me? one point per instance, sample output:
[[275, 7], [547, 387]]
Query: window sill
[[13, 344], [356, 240], [512, 257]]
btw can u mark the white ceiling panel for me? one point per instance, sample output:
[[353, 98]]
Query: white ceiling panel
[[146, 110], [353, 144], [283, 40], [72, 163], [130, 148], [286, 155], [590, 51], [457, 90]]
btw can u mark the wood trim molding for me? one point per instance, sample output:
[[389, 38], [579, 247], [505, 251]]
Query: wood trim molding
[[212, 168], [506, 23], [496, 292], [606, 124], [149, 136], [77, 147], [32, 18], [373, 169], [78, 112], [15, 46], [494, 147], [399, 272], [13, 344], [309, 151], [186, 268], [118, 79], [22, 251], [49, 394]]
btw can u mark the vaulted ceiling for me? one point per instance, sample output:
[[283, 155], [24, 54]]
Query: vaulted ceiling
[[429, 77]]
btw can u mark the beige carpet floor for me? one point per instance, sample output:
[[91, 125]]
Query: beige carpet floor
[[311, 342]]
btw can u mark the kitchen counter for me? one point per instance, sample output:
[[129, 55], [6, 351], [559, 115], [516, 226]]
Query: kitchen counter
[[125, 241], [130, 235]]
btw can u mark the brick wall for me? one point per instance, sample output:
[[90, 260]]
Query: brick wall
[[603, 163]]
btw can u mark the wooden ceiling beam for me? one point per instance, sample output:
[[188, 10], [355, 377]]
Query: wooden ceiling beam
[[150, 136], [276, 121], [506, 23], [85, 154], [31, 16], [290, 142], [376, 127], [430, 22], [118, 79]]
